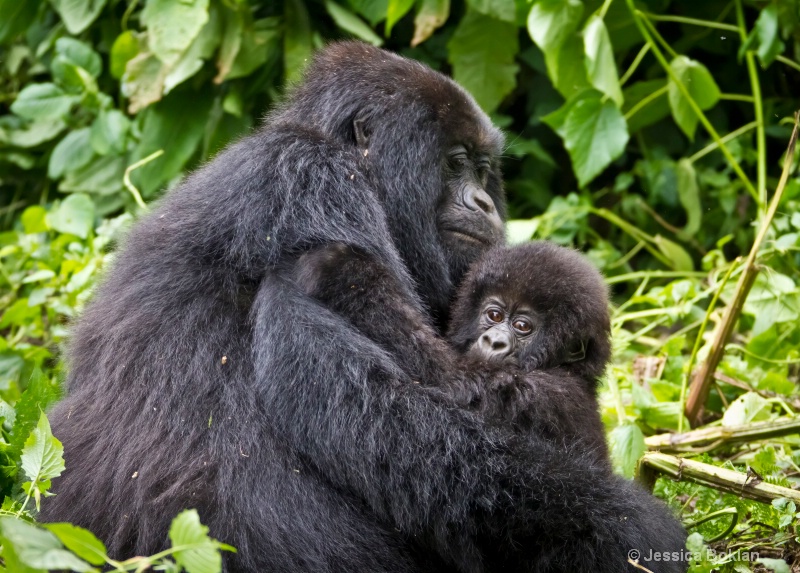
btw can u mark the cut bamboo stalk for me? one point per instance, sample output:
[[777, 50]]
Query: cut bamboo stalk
[[701, 380], [748, 486], [706, 439]]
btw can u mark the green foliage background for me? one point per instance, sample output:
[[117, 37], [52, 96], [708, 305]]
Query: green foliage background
[[650, 134]]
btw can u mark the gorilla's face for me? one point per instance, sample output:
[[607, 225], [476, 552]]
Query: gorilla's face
[[468, 216]]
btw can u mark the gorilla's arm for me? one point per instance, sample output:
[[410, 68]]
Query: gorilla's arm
[[417, 457]]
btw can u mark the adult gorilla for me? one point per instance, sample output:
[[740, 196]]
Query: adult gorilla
[[201, 377]]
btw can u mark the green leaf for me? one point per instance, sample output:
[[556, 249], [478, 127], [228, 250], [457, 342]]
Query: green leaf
[[38, 548], [482, 52], [204, 556], [31, 134], [296, 39], [664, 415], [80, 541], [103, 176], [201, 49], [774, 298], [80, 54], [143, 81], [75, 216], [260, 41], [17, 16], [701, 86], [520, 231], [33, 219], [41, 392], [124, 49], [42, 101], [349, 22], [71, 153], [172, 26], [431, 15], [42, 458], [78, 14], [175, 125], [109, 132], [626, 446], [394, 12], [594, 133], [552, 25], [765, 36], [504, 10], [689, 194], [749, 407], [677, 255], [600, 66]]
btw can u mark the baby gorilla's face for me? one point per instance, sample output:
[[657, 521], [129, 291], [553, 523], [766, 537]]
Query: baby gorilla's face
[[504, 328]]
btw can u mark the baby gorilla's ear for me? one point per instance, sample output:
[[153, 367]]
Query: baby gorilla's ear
[[575, 351], [314, 266]]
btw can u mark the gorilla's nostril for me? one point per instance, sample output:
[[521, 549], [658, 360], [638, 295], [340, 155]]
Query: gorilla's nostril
[[499, 345], [476, 198]]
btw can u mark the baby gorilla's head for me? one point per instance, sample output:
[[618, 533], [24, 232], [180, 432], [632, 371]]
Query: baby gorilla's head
[[537, 305]]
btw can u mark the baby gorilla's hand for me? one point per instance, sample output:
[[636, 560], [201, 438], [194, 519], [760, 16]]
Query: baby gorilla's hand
[[316, 269]]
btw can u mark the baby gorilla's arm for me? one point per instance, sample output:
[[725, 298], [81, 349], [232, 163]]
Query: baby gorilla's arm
[[356, 286]]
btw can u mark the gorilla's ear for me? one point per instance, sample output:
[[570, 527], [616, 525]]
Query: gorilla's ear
[[361, 129], [576, 351]]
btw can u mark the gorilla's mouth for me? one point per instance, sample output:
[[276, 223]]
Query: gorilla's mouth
[[472, 238]]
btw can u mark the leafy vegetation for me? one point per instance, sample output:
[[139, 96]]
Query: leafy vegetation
[[650, 134]]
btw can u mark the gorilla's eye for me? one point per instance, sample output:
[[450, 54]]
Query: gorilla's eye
[[522, 326], [458, 155], [495, 315]]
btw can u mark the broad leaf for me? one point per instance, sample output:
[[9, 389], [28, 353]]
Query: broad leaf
[[482, 52], [296, 39], [143, 81], [38, 548], [42, 458], [349, 22], [600, 66], [677, 255], [80, 54], [172, 26], [431, 15], [504, 10], [17, 16], [203, 556], [552, 25], [75, 215], [77, 14], [749, 407], [626, 445], [80, 541], [109, 132], [765, 36], [123, 50], [594, 133], [42, 101], [71, 153], [689, 194], [701, 86], [395, 10]]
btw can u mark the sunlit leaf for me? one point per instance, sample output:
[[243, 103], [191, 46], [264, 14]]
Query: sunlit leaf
[[600, 66], [482, 52], [626, 445], [172, 26], [431, 15], [701, 86], [78, 14]]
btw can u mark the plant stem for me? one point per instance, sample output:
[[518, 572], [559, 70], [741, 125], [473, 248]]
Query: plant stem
[[638, 18], [721, 479], [692, 22], [646, 101], [732, 135], [699, 340], [701, 382], [761, 137], [126, 178], [635, 64], [788, 62]]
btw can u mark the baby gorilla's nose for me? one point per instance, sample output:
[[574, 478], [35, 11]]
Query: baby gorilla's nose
[[495, 344]]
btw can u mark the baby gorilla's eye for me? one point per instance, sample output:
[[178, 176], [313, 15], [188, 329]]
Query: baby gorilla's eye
[[495, 315], [522, 326]]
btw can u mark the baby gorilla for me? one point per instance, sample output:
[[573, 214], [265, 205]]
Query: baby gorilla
[[530, 325], [542, 309]]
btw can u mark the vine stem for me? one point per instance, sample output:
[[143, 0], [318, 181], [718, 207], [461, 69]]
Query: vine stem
[[639, 19], [701, 381], [126, 178], [761, 137]]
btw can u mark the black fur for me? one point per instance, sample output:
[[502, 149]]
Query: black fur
[[580, 516], [551, 397], [201, 377]]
